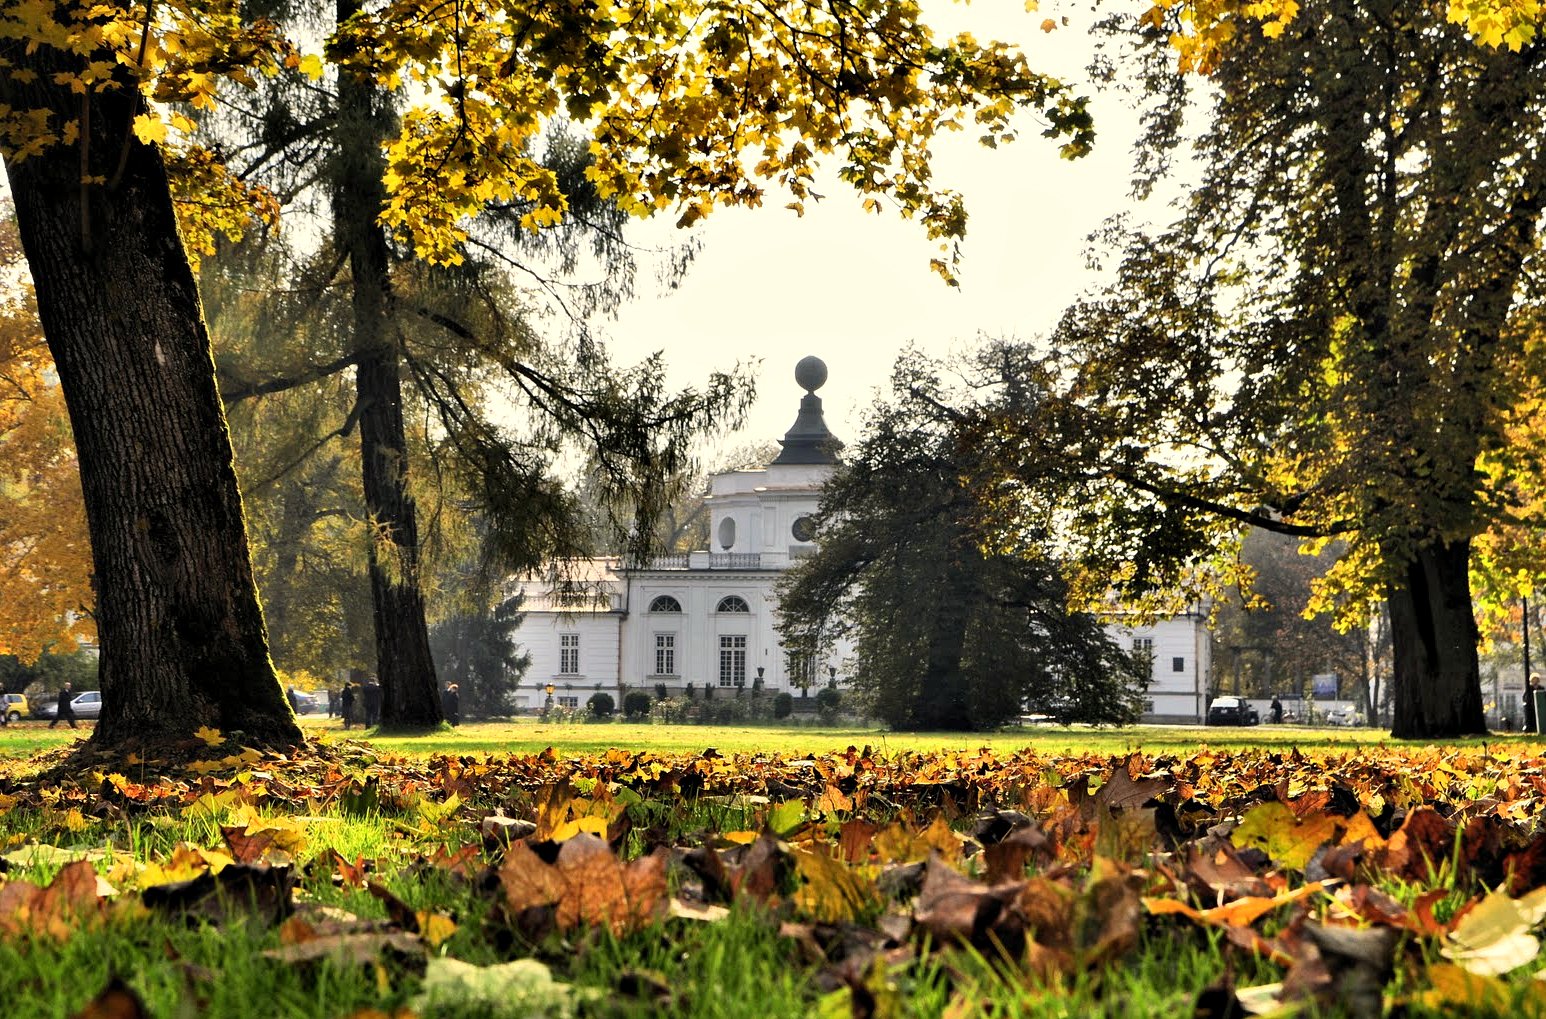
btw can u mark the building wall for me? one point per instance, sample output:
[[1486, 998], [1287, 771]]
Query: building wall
[[541, 634], [752, 542], [1175, 694]]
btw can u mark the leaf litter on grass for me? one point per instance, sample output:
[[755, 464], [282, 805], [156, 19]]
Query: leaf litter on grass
[[1055, 870]]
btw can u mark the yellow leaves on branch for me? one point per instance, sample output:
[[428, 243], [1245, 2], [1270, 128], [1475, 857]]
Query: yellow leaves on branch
[[689, 106], [45, 554], [1511, 23], [1200, 28]]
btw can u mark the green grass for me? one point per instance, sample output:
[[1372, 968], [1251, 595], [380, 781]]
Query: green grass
[[532, 735], [741, 966]]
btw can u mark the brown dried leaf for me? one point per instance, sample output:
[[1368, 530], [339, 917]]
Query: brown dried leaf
[[586, 884], [116, 1001], [72, 898]]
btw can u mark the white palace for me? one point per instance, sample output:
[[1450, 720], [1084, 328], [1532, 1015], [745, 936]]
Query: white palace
[[708, 617]]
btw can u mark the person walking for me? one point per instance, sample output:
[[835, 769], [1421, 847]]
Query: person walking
[[1277, 711], [372, 697], [66, 708], [451, 704], [346, 704]]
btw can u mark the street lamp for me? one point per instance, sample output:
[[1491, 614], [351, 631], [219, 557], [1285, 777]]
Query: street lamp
[[832, 677], [548, 705]]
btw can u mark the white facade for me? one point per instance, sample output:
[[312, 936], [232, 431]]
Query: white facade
[[704, 618], [1183, 663], [709, 617]]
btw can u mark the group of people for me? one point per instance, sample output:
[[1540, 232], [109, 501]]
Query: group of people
[[361, 703], [356, 702]]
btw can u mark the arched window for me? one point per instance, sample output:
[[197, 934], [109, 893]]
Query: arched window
[[732, 603], [665, 603]]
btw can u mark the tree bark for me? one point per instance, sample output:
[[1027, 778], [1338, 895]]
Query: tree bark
[[1433, 641], [183, 643], [404, 664]]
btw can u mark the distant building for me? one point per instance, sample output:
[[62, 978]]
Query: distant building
[[709, 617]]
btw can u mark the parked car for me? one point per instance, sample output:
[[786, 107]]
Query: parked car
[[87, 705], [1232, 711], [310, 702], [16, 707]]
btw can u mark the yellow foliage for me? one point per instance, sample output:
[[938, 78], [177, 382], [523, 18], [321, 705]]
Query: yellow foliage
[[45, 552], [690, 105], [1200, 28]]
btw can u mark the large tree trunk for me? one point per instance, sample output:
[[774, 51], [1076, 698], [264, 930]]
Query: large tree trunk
[[943, 702], [182, 636], [1437, 681], [404, 665]]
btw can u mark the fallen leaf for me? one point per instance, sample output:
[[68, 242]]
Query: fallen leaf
[[516, 989], [115, 1001], [586, 884], [1493, 936]]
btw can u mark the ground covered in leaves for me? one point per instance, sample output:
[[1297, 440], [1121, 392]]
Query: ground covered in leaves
[[342, 882]]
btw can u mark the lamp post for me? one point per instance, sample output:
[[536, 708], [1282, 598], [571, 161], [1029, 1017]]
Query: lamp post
[[757, 683], [547, 705], [832, 677]]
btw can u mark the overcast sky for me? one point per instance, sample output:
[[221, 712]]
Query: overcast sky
[[855, 288]]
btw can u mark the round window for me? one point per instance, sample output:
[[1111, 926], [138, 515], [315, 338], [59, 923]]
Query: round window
[[804, 528]]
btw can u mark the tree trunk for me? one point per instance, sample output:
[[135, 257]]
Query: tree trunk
[[182, 637], [1437, 681], [404, 665], [943, 701]]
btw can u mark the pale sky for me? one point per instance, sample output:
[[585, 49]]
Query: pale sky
[[855, 288]]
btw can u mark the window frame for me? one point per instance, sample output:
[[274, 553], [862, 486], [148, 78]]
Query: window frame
[[569, 654], [665, 655], [732, 600], [732, 658]]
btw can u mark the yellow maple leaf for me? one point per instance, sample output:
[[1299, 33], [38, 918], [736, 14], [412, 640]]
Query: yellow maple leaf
[[209, 735], [149, 129]]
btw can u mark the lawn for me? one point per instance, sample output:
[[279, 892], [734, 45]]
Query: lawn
[[530, 735], [1037, 872]]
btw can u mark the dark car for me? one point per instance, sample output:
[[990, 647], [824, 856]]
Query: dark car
[[309, 702], [1232, 711], [87, 705]]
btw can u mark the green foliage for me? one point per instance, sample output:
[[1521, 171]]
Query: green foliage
[[477, 651], [49, 673], [783, 705], [1262, 636], [828, 700], [949, 630], [601, 705], [1336, 339], [636, 705]]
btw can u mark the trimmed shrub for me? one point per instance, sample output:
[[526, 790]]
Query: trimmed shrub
[[636, 704], [660, 691], [783, 706], [601, 705], [828, 700]]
